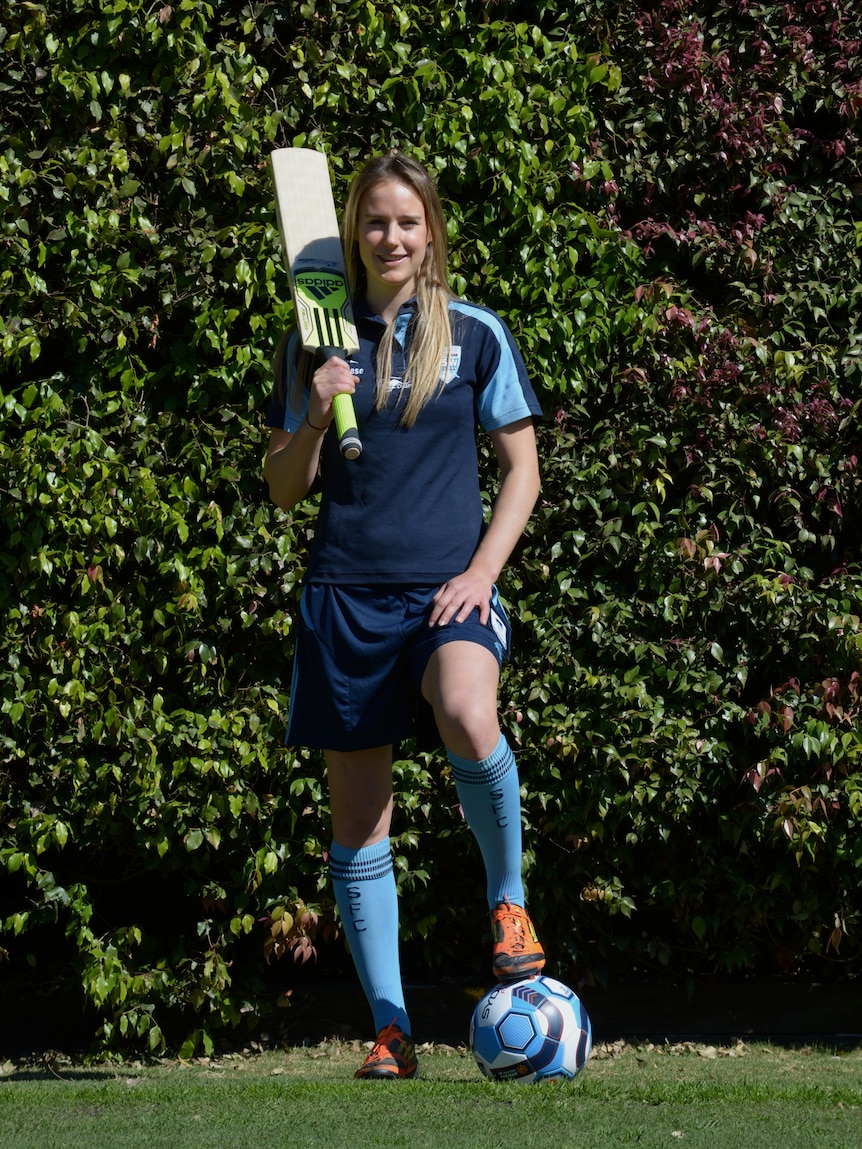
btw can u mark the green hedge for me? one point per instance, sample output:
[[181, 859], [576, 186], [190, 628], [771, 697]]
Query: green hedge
[[664, 203]]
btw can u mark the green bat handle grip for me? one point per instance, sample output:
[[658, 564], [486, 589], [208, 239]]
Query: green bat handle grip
[[345, 416], [345, 425]]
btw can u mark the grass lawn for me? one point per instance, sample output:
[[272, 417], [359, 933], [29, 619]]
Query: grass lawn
[[648, 1095]]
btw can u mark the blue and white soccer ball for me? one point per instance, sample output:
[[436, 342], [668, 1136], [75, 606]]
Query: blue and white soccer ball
[[531, 1030]]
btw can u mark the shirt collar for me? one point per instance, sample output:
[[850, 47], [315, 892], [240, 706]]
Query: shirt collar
[[362, 310]]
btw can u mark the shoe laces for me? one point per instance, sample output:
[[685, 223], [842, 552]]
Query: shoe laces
[[390, 1033], [391, 1042], [515, 919]]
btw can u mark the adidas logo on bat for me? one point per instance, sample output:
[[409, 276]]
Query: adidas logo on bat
[[320, 284]]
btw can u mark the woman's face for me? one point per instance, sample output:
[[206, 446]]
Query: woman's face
[[393, 239]]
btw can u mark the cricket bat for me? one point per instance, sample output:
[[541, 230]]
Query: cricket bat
[[308, 227]]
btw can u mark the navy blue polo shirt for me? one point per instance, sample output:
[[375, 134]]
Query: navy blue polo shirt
[[409, 509]]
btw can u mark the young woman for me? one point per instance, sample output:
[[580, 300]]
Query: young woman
[[401, 632]]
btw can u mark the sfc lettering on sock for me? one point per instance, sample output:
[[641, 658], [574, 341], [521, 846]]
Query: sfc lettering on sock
[[357, 918], [498, 808]]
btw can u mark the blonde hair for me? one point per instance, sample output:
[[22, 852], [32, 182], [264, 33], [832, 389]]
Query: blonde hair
[[431, 329]]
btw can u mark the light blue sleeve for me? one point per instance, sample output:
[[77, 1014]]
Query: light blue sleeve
[[506, 394]]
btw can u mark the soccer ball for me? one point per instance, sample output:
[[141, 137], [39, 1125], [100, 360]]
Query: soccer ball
[[531, 1030]]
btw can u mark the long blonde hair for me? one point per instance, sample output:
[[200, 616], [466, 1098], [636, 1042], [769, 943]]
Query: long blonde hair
[[432, 332]]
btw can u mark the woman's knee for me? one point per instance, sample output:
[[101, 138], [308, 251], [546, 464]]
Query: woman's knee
[[470, 731], [360, 795], [460, 683]]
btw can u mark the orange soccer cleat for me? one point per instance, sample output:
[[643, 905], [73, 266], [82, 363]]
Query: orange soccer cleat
[[517, 952], [392, 1057]]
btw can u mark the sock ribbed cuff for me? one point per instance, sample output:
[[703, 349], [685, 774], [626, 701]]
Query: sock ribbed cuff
[[362, 865], [485, 771]]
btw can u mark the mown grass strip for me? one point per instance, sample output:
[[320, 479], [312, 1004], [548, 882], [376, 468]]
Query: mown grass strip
[[628, 1095]]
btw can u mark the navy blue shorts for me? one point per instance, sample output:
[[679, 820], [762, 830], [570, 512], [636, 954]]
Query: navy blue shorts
[[360, 656]]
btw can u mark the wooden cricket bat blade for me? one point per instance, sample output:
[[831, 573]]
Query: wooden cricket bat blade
[[308, 226]]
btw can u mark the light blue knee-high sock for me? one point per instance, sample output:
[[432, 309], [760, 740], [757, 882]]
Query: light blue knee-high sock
[[490, 797], [367, 900]]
